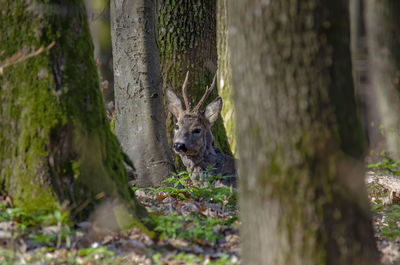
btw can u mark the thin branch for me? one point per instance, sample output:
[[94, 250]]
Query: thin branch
[[19, 57]]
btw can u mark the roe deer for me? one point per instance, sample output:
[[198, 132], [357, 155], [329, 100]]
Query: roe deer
[[193, 140]]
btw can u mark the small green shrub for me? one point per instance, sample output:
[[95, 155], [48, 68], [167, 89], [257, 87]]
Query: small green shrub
[[180, 188], [386, 165], [191, 227], [391, 218]]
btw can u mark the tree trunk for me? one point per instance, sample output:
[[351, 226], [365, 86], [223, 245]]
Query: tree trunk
[[302, 196], [383, 38], [187, 42], [56, 146], [140, 116], [224, 74], [366, 98], [99, 22]]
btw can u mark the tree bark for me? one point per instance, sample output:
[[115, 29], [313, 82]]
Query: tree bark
[[99, 23], [224, 74], [302, 196], [383, 38], [140, 116], [365, 93], [187, 42], [56, 146]]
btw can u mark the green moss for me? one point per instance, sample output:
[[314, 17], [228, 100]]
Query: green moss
[[224, 76], [187, 41], [28, 112], [55, 142]]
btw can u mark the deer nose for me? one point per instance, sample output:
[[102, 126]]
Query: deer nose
[[179, 147]]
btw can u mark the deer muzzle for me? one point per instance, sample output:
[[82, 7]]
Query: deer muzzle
[[180, 147]]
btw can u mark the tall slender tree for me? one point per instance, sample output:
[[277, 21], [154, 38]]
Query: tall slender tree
[[187, 42], [140, 116], [99, 24], [362, 81], [56, 146], [383, 38], [302, 196], [224, 74]]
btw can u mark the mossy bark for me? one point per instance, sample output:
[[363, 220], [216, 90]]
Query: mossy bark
[[187, 42], [224, 74], [56, 146], [383, 38], [302, 196], [99, 23]]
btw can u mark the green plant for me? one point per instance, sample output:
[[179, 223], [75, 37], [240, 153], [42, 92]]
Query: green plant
[[10, 214], [223, 260], [37, 220], [95, 250], [157, 258], [62, 236], [181, 188], [391, 229], [191, 227], [189, 258], [386, 165]]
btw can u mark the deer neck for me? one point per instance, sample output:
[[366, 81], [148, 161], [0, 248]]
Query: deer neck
[[199, 163]]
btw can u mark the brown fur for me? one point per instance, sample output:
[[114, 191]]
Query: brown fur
[[194, 142]]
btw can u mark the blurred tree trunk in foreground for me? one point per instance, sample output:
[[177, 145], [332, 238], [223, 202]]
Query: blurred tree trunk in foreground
[[140, 116], [187, 42], [56, 146], [383, 38], [99, 22], [224, 74], [300, 139]]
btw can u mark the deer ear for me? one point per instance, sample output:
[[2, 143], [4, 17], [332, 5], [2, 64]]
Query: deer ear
[[213, 109], [174, 103]]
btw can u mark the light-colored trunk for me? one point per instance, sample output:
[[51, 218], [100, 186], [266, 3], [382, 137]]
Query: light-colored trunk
[[139, 102], [366, 95], [300, 142], [383, 38], [224, 74], [99, 22]]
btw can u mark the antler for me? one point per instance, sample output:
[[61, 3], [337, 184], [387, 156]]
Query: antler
[[184, 92], [206, 94]]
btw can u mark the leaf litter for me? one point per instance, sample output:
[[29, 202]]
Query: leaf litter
[[194, 227]]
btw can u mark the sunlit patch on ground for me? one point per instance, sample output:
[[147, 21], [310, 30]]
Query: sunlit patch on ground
[[383, 186]]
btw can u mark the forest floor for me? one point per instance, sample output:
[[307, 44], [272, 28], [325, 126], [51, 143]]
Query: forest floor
[[383, 187], [196, 225], [386, 217]]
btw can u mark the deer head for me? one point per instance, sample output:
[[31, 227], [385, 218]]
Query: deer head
[[193, 135]]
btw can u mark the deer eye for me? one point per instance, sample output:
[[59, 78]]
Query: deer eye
[[176, 127], [196, 131]]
